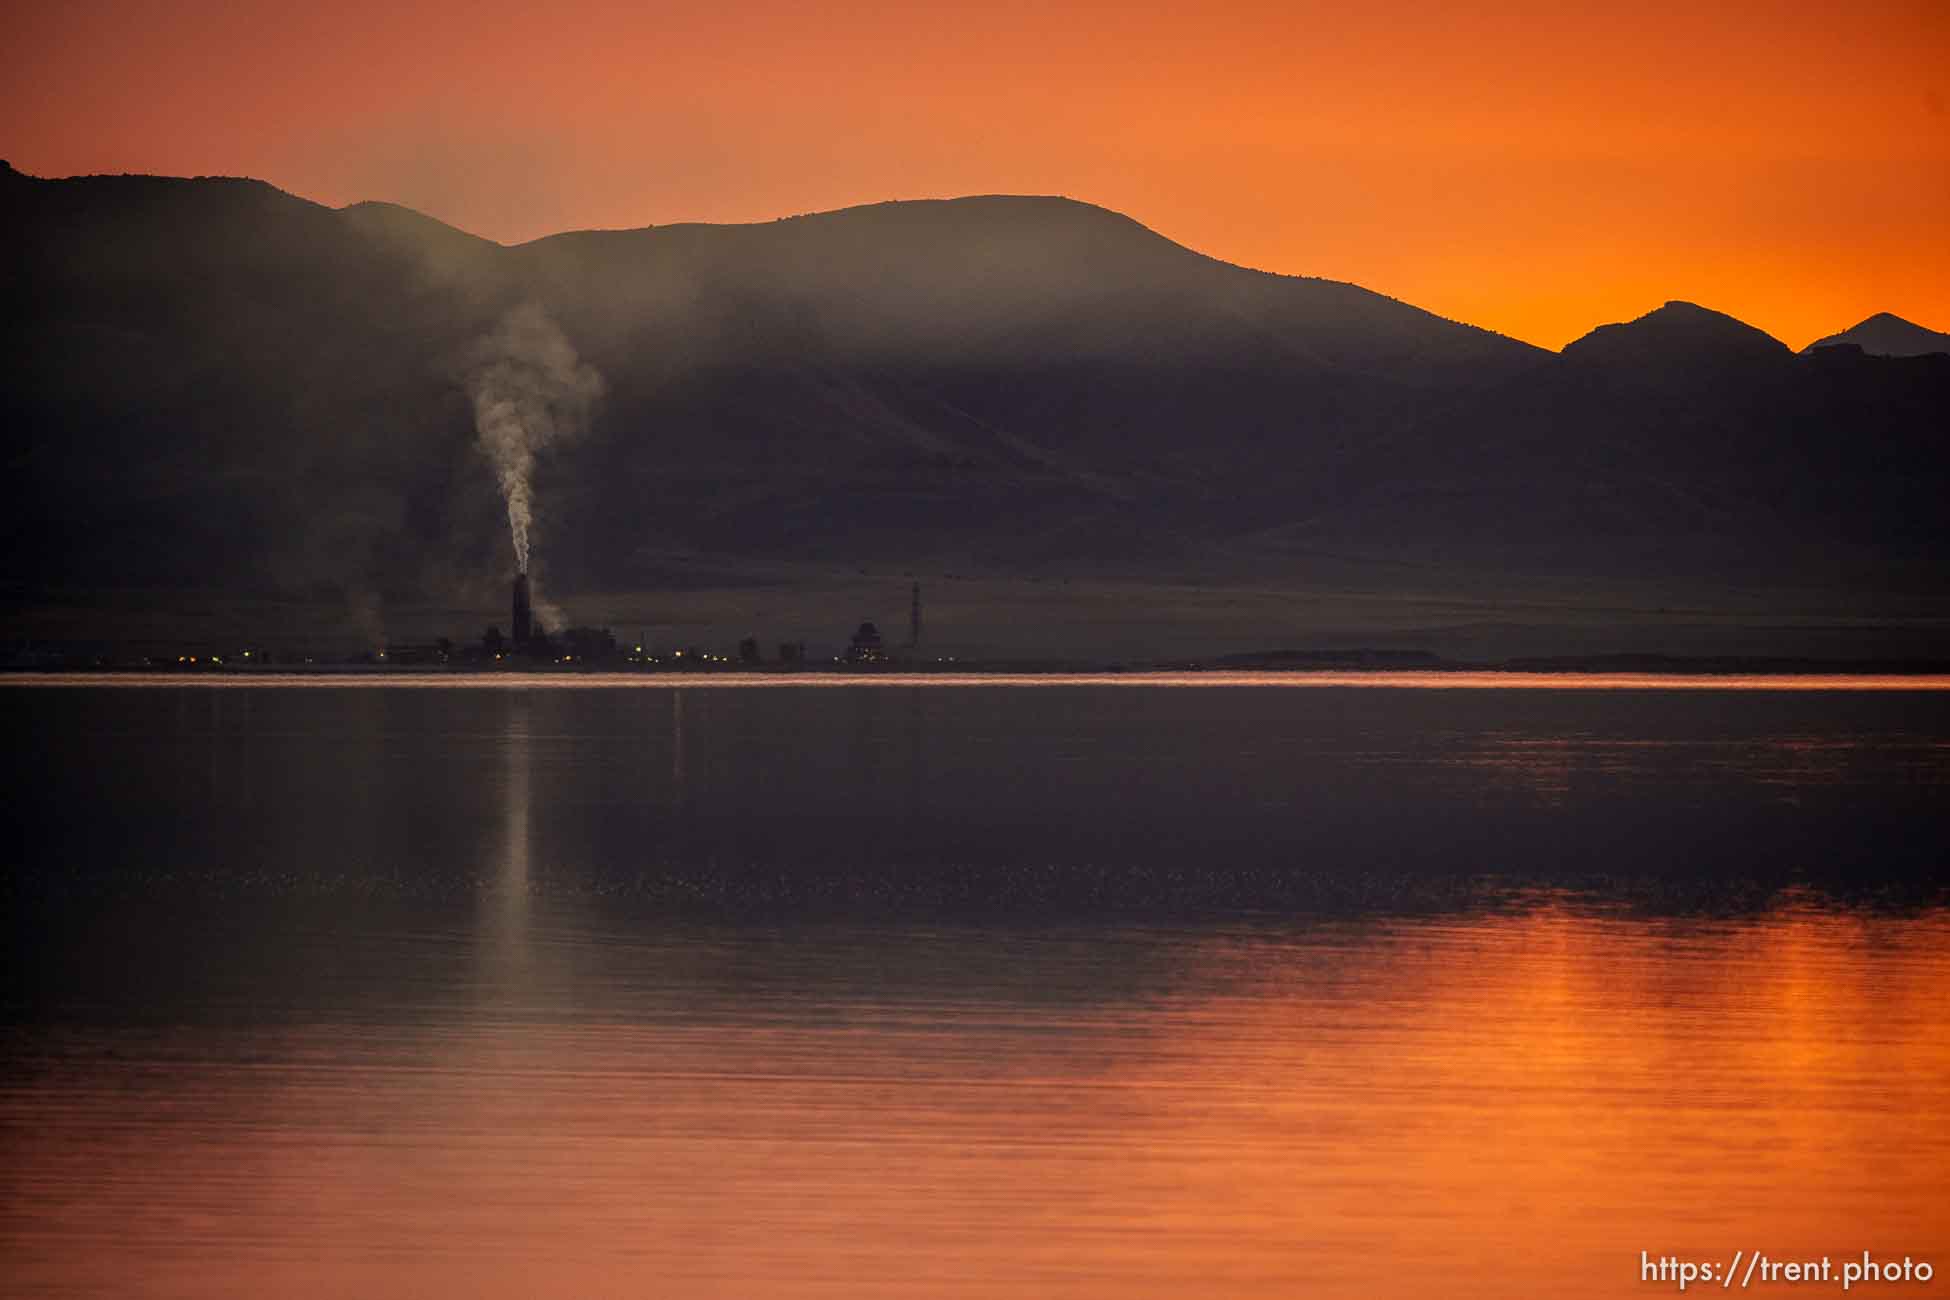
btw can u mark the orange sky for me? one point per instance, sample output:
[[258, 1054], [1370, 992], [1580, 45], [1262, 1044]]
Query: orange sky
[[1538, 168]]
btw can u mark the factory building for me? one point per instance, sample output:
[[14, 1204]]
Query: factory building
[[867, 647]]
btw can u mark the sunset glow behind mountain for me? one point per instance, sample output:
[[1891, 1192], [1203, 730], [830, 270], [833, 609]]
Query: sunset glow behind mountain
[[1537, 169]]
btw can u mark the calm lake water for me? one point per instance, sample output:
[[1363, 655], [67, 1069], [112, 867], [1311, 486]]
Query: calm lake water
[[1090, 990]]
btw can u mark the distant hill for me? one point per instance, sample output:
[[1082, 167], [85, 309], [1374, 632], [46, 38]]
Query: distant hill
[[1683, 443], [1884, 335], [218, 385], [1679, 334]]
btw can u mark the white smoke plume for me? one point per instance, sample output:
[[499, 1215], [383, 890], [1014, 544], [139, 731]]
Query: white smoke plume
[[530, 390]]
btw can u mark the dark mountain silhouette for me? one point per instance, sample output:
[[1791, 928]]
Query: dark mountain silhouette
[[1684, 442], [1886, 335], [1682, 337], [221, 386]]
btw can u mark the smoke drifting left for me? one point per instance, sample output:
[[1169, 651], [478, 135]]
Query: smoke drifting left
[[530, 391]]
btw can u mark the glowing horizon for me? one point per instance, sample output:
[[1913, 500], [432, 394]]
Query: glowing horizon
[[1487, 679], [1534, 170]]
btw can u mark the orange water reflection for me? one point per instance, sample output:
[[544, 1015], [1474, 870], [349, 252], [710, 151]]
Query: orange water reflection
[[1510, 1104]]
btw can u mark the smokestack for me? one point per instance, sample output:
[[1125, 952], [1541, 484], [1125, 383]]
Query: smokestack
[[524, 619]]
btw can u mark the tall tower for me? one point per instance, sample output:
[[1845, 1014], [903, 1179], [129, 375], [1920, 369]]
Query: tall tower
[[524, 617], [914, 618]]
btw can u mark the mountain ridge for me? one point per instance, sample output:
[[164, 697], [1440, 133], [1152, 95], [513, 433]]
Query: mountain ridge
[[1006, 384], [1675, 331], [380, 212], [1886, 334]]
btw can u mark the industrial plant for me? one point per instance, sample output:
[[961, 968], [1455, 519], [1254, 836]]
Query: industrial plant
[[528, 644]]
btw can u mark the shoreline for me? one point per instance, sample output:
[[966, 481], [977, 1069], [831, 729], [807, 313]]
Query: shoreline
[[1459, 678]]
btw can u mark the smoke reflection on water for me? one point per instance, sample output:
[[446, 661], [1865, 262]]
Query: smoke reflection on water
[[509, 899], [677, 777]]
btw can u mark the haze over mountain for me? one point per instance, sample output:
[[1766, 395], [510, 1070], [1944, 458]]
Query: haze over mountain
[[219, 386], [1887, 335]]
